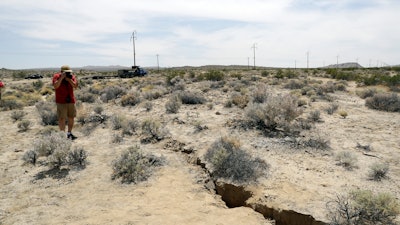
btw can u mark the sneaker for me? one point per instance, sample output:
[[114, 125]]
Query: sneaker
[[71, 136]]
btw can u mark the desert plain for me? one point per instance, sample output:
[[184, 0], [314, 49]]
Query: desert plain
[[303, 175]]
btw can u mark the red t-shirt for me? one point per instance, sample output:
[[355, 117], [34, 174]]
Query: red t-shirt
[[1, 84], [65, 92]]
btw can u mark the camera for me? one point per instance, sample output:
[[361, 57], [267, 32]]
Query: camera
[[68, 74]]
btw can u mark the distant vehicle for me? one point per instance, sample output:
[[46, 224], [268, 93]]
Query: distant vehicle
[[136, 71], [34, 76]]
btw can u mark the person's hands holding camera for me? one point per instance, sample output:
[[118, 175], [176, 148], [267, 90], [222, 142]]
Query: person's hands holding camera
[[68, 75]]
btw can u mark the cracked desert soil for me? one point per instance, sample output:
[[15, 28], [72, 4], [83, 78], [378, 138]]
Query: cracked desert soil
[[302, 180]]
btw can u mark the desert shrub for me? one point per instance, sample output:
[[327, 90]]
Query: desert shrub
[[277, 112], [315, 141], [229, 161], [17, 115], [10, 103], [130, 99], [116, 121], [117, 138], [171, 74], [173, 104], [57, 150], [77, 157], [112, 92], [48, 144], [384, 101], [152, 131], [47, 112], [237, 76], [37, 85], [314, 116], [130, 127], [260, 94], [148, 106], [378, 171], [366, 93], [24, 125], [98, 109], [347, 160], [133, 166], [332, 108], [362, 207], [86, 96], [154, 93], [30, 157], [295, 84], [191, 98], [213, 75], [240, 100]]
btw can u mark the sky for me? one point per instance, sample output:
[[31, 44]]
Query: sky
[[170, 33]]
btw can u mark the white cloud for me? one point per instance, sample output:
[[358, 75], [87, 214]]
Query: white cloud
[[185, 32]]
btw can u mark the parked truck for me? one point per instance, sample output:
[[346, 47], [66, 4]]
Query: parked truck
[[136, 71]]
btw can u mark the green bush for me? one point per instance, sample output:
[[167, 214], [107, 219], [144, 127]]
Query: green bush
[[362, 207], [133, 166], [229, 161], [213, 75]]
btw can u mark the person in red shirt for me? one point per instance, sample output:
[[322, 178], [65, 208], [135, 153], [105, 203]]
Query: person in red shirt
[[64, 84], [1, 87]]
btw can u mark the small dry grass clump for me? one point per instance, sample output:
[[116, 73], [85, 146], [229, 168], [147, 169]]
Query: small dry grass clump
[[133, 166], [378, 171], [229, 161], [347, 160], [17, 115], [24, 125]]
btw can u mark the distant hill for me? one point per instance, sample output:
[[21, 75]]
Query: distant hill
[[344, 65]]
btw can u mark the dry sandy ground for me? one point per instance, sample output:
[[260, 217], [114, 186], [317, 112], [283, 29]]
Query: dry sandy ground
[[303, 180]]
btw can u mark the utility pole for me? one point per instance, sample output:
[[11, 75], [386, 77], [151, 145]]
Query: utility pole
[[295, 64], [308, 55], [248, 63], [134, 52], [254, 54], [158, 64], [337, 61]]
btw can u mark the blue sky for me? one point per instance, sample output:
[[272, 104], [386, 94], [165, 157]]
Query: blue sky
[[50, 33]]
